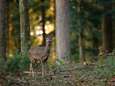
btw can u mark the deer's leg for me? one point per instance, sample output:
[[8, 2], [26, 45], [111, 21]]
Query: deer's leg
[[42, 68], [31, 69]]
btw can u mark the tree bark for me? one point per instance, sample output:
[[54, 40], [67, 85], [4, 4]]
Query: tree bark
[[113, 24], [62, 28], [16, 27], [81, 51], [43, 21], [107, 29], [24, 26], [3, 29]]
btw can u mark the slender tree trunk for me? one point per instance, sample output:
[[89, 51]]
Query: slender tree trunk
[[81, 51], [113, 24], [24, 26], [88, 43], [16, 28], [27, 24], [80, 40], [7, 31], [62, 28], [43, 21], [107, 29], [3, 29]]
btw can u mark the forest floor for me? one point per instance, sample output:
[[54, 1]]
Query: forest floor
[[70, 74]]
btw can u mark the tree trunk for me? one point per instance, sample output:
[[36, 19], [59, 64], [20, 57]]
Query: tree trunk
[[3, 28], [113, 24], [107, 29], [16, 27], [43, 21], [81, 51], [80, 40], [62, 28], [24, 26], [88, 43]]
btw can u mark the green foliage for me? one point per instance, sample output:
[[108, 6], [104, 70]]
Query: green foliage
[[110, 61], [75, 57], [18, 63], [60, 62], [74, 29], [3, 65]]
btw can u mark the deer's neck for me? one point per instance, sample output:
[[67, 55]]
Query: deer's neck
[[47, 48]]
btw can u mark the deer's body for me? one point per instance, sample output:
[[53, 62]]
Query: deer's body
[[39, 54]]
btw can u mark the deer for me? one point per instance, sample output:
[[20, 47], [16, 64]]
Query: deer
[[111, 82], [39, 55]]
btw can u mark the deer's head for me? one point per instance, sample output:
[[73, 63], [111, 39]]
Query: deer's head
[[48, 40]]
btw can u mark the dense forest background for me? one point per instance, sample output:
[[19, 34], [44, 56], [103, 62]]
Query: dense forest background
[[82, 33]]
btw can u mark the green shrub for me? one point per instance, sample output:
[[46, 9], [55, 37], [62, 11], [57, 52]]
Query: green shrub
[[18, 63]]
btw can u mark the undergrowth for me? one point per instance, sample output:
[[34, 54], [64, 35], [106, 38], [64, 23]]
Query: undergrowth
[[66, 74]]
